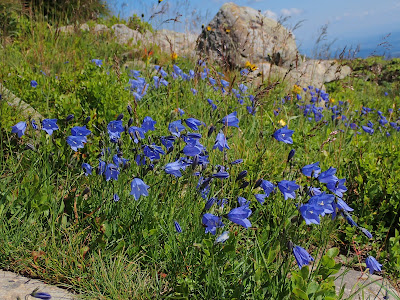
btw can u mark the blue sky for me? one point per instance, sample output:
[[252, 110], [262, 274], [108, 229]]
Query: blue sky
[[349, 22]]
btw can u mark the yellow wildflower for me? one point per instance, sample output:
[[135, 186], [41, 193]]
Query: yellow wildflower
[[174, 56], [281, 122], [296, 89], [208, 28]]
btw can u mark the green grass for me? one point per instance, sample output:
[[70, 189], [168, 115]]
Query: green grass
[[51, 229]]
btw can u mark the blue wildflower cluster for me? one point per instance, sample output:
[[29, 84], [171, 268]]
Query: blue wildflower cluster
[[183, 138]]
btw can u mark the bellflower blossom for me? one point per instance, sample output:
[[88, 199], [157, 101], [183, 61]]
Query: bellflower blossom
[[284, 135], [139, 188], [288, 188], [373, 265], [211, 223], [302, 257], [49, 125], [239, 216], [231, 120], [221, 142], [19, 128]]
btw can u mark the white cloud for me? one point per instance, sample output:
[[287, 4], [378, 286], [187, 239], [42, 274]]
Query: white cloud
[[270, 14], [289, 12]]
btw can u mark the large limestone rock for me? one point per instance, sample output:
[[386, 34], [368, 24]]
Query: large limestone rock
[[239, 34], [181, 43], [311, 72], [124, 34], [324, 70], [100, 28]]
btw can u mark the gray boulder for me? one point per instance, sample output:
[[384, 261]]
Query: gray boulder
[[66, 29], [124, 34], [84, 27], [178, 42], [311, 72], [100, 28], [238, 34]]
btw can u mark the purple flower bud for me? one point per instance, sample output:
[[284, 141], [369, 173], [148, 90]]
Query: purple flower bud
[[177, 227], [241, 175], [291, 154], [129, 108], [69, 118]]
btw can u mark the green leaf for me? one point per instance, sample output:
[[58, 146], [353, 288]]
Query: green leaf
[[312, 288], [208, 243], [300, 294], [328, 262], [304, 272], [333, 252], [206, 251], [272, 254], [297, 280]]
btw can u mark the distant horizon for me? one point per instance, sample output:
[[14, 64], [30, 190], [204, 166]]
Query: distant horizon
[[373, 30]]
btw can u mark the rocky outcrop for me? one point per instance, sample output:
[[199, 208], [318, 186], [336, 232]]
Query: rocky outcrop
[[124, 35], [239, 34], [178, 42], [100, 28], [311, 72], [323, 70]]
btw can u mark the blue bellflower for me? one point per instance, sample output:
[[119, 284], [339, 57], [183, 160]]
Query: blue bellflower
[[176, 127], [284, 135], [174, 168], [368, 129], [231, 120], [323, 201], [221, 175], [40, 295], [267, 186], [111, 172], [211, 223], [193, 123], [302, 257], [288, 188], [239, 216], [139, 188], [328, 176], [153, 152], [115, 197], [136, 133], [148, 124], [19, 128], [221, 142], [311, 213], [311, 170], [101, 167], [76, 142], [261, 198], [80, 131], [87, 168], [337, 187], [49, 125], [373, 265], [114, 129], [34, 125]]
